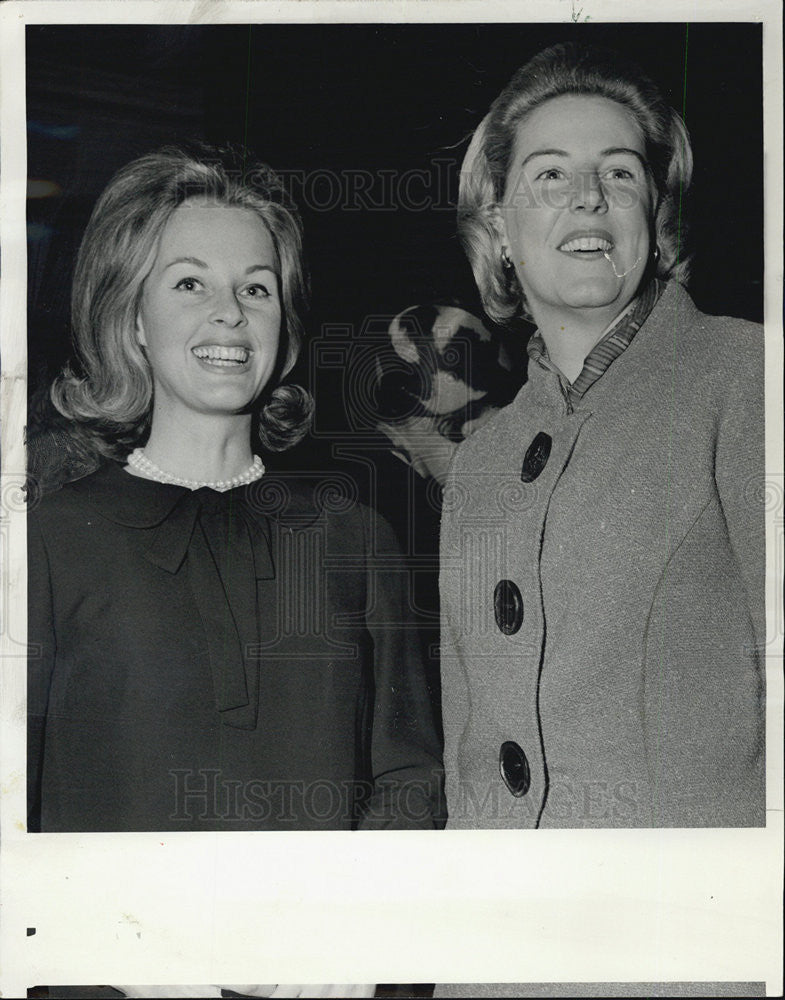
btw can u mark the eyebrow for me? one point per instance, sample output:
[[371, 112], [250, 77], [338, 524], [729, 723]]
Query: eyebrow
[[200, 263], [545, 152], [611, 151]]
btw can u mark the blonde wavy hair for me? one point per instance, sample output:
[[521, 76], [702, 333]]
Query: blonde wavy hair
[[568, 69], [111, 396]]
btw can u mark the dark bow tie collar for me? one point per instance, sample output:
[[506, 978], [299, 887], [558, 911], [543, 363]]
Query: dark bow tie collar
[[224, 547], [225, 552]]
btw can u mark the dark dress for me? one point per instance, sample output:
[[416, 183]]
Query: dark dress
[[208, 661]]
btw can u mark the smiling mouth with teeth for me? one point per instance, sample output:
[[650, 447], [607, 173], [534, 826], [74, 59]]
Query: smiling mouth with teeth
[[587, 244], [222, 357]]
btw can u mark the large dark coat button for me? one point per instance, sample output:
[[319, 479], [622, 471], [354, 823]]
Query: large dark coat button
[[514, 768], [508, 607], [536, 457]]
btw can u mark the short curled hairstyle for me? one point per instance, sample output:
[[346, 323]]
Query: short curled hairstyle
[[568, 69], [111, 397]]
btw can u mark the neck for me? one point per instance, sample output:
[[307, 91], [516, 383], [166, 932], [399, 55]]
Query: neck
[[206, 448], [571, 334]]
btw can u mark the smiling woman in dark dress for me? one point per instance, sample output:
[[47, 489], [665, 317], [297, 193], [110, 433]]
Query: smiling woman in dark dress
[[214, 648]]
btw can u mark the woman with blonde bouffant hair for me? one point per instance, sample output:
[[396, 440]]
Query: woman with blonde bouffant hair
[[113, 391]]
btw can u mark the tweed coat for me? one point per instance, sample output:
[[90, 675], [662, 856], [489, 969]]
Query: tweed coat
[[235, 661], [632, 692]]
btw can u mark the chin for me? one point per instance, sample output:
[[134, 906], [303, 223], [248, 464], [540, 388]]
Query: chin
[[597, 294], [228, 404]]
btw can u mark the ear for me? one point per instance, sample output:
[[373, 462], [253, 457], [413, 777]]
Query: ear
[[496, 218], [139, 329]]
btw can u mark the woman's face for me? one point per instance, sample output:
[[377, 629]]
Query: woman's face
[[210, 315], [578, 192]]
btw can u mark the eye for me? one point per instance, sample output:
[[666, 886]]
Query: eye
[[257, 291], [551, 174], [188, 284], [619, 174]]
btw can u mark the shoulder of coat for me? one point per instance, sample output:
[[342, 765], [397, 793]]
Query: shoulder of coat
[[47, 502], [329, 501], [492, 437], [714, 338]]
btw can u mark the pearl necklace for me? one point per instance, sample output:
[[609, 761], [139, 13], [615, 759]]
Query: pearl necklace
[[139, 461]]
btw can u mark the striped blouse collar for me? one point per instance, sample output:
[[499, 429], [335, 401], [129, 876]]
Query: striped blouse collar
[[613, 343]]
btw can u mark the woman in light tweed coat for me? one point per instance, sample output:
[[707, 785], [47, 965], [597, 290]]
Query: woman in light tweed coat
[[602, 568]]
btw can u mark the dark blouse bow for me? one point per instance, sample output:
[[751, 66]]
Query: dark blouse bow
[[224, 546], [226, 552]]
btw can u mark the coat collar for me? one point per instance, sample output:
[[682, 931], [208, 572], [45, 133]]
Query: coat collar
[[673, 312]]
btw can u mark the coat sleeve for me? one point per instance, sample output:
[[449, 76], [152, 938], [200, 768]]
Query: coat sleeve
[[406, 759], [705, 683], [740, 473], [40, 663]]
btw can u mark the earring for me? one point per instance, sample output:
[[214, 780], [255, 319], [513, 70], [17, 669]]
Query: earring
[[506, 261], [656, 252]]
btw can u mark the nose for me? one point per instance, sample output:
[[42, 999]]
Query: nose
[[588, 193], [226, 309]]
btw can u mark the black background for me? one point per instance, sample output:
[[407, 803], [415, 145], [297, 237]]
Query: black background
[[346, 97]]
